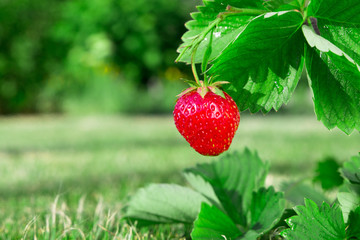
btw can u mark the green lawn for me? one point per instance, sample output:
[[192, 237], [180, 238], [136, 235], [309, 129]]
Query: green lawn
[[69, 176]]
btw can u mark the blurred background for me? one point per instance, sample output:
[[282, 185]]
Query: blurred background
[[90, 57], [87, 88], [100, 56]]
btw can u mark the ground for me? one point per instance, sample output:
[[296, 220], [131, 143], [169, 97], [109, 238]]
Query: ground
[[64, 177]]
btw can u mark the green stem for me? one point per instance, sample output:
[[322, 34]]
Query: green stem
[[197, 43], [205, 77], [212, 25], [193, 67], [244, 11]]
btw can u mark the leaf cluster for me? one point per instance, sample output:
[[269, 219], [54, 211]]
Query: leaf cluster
[[228, 199], [261, 47]]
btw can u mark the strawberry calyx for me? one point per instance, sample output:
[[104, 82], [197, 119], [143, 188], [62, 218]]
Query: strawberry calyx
[[203, 88]]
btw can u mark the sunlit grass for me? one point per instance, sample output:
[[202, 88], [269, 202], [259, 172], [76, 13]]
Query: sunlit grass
[[79, 171]]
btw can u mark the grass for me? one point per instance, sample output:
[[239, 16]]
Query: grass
[[69, 177]]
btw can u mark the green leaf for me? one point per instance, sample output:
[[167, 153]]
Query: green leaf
[[351, 170], [353, 229], [348, 202], [164, 203], [224, 32], [325, 46], [213, 224], [335, 81], [202, 186], [266, 209], [327, 173], [250, 235], [346, 11], [347, 38], [314, 223], [264, 63], [288, 212], [233, 179]]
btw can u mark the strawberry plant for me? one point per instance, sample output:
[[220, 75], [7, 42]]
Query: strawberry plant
[[257, 50], [228, 199]]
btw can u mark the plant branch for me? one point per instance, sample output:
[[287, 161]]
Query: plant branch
[[244, 11], [193, 67], [314, 24]]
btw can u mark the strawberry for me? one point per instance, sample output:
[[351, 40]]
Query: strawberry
[[207, 118]]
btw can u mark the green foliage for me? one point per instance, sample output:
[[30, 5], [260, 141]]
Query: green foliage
[[235, 205], [334, 10], [233, 179], [212, 223], [340, 221], [335, 80], [164, 203], [237, 180], [266, 79], [313, 222], [263, 50], [348, 202], [346, 37], [325, 222], [351, 170], [223, 32], [354, 223], [327, 173], [266, 209]]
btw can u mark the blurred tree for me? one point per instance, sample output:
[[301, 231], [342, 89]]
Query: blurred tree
[[25, 51], [50, 50]]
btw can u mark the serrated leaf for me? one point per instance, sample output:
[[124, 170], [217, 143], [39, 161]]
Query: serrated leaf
[[266, 209], [315, 223], [214, 224], [351, 170], [348, 202], [224, 33], [335, 81], [327, 173], [353, 229], [233, 179], [346, 11], [264, 63], [164, 203], [346, 37]]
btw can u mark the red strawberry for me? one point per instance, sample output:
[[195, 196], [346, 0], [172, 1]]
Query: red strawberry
[[208, 123]]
